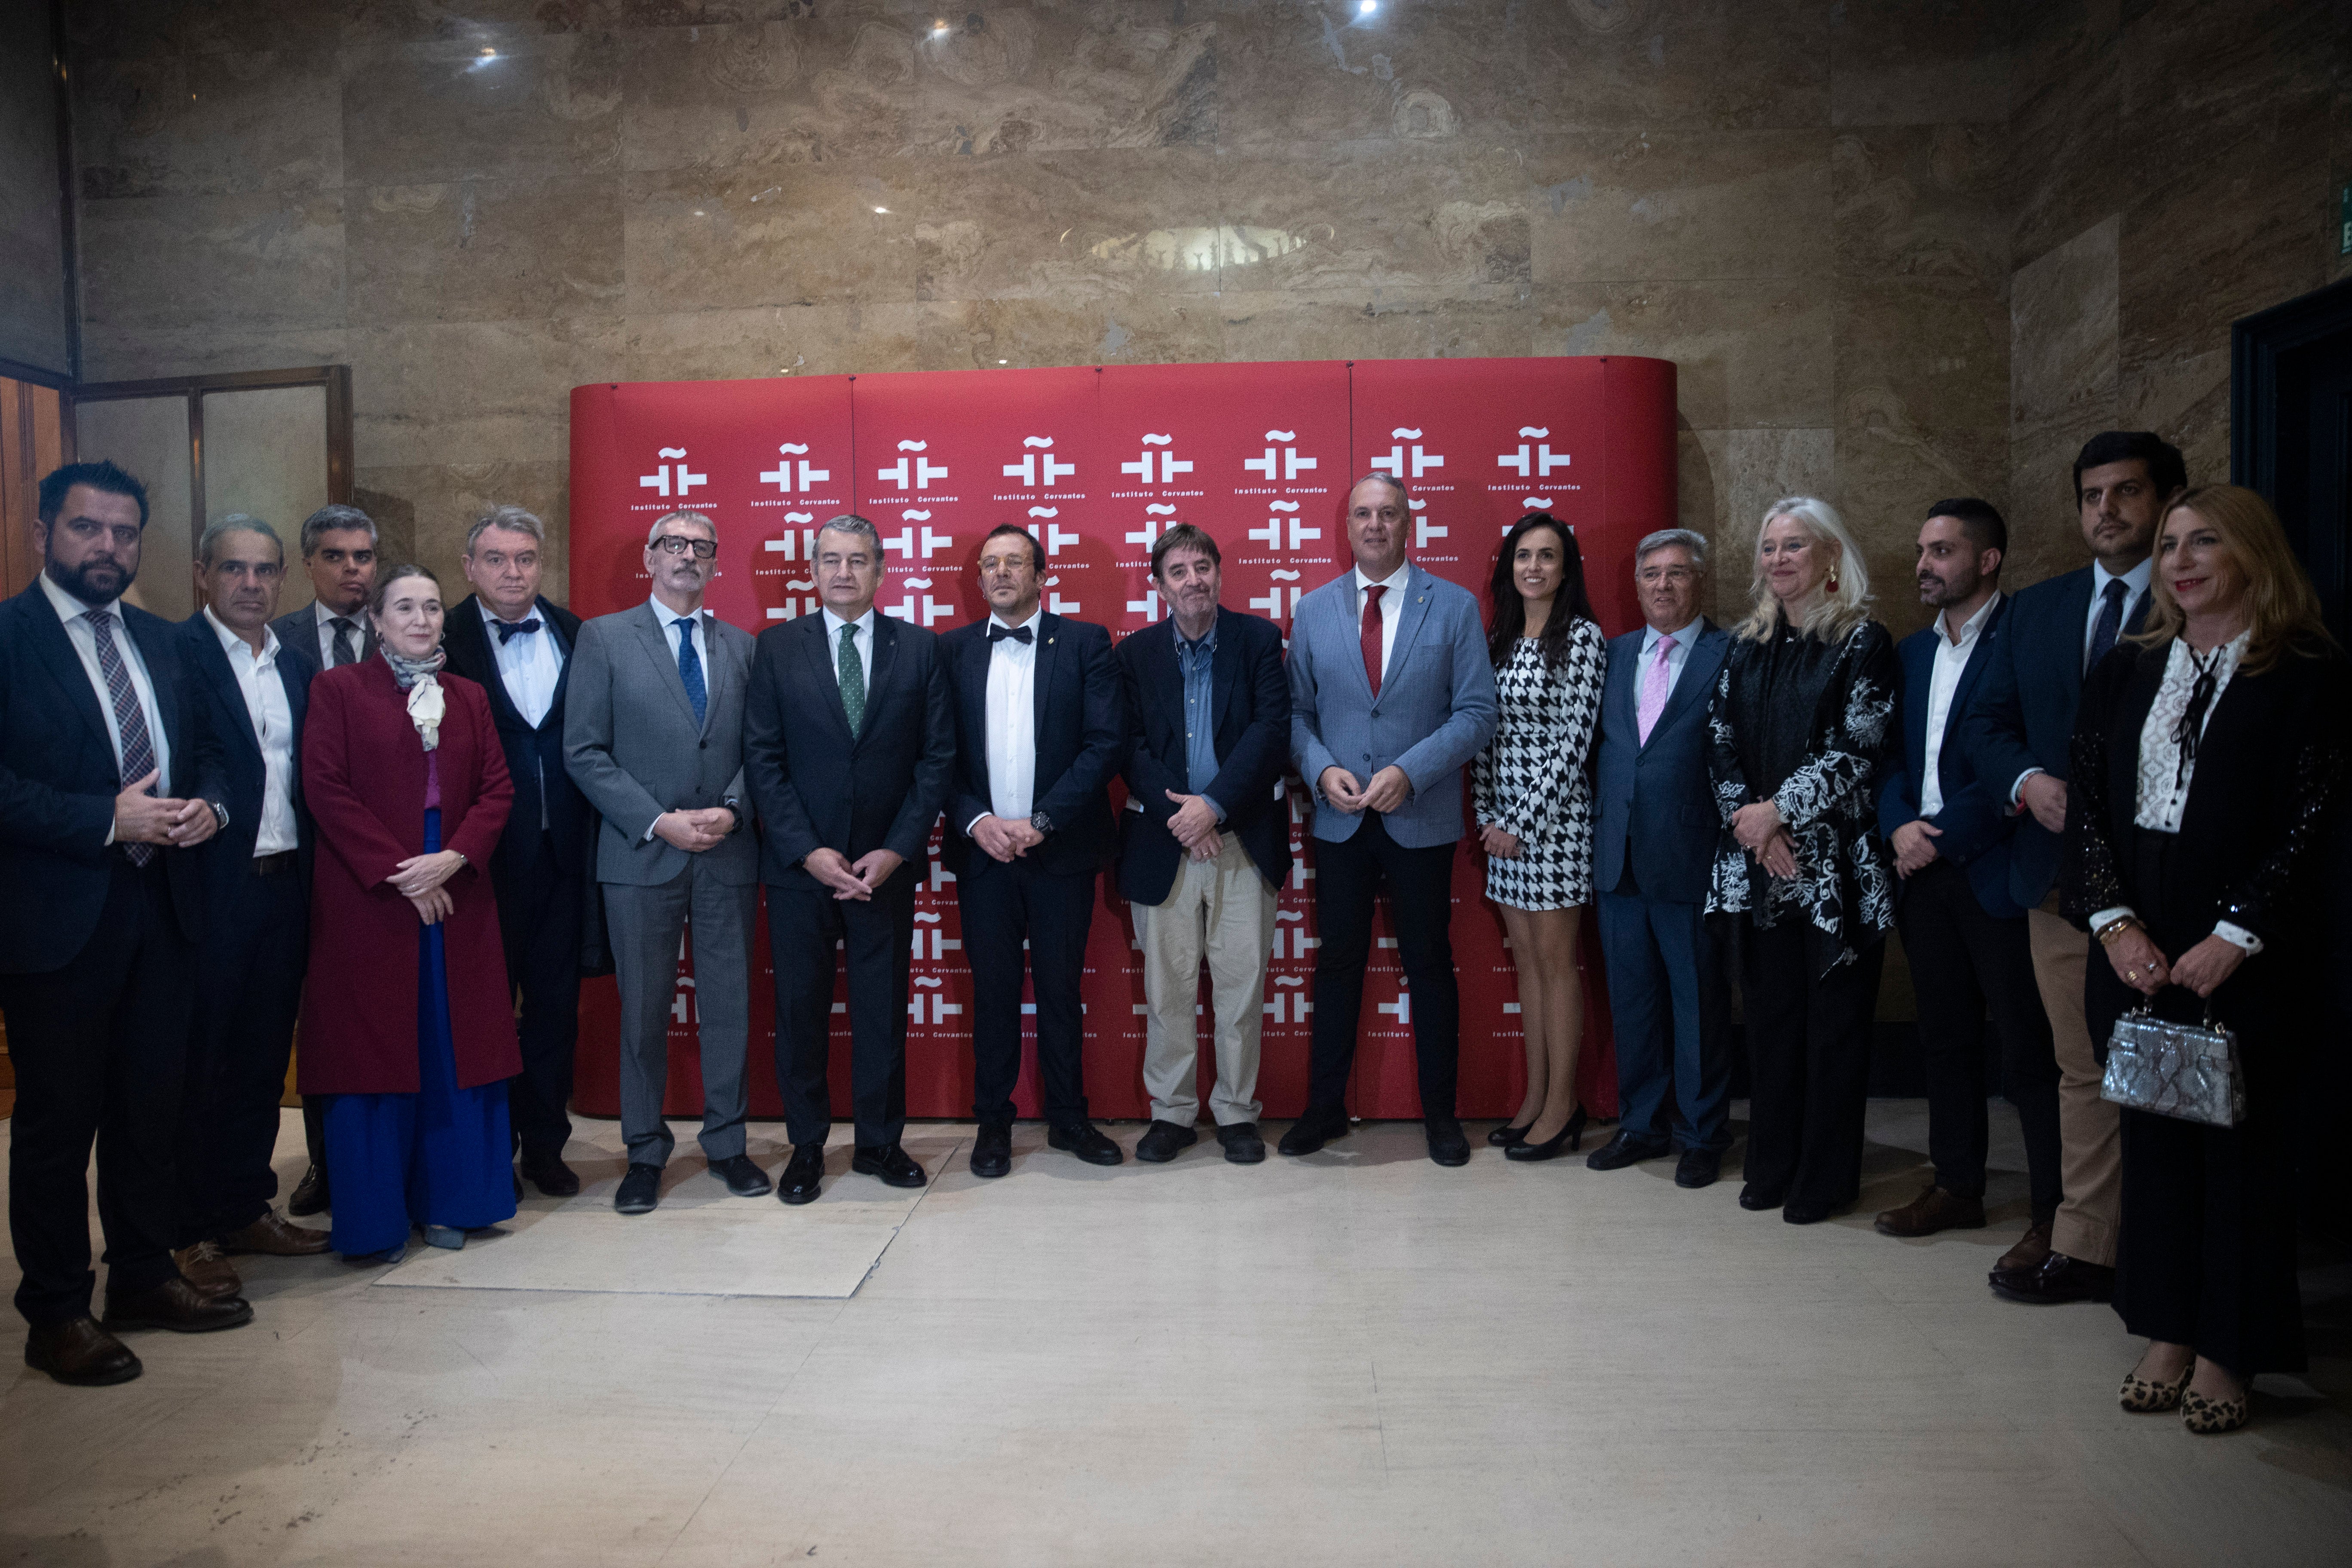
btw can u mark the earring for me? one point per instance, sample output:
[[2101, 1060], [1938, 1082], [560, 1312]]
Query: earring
[[1832, 579]]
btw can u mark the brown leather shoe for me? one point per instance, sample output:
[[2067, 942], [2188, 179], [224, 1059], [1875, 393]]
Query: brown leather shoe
[[2033, 1250], [1933, 1210], [79, 1354], [276, 1237], [175, 1304], [213, 1276]]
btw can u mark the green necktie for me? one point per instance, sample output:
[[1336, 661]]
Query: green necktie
[[853, 678]]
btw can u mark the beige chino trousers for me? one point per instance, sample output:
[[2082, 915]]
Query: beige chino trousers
[[1220, 910], [2090, 1157]]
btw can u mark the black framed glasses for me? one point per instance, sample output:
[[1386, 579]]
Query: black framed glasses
[[678, 544]]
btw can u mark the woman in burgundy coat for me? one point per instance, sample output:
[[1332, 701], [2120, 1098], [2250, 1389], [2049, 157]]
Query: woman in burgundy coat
[[406, 1022]]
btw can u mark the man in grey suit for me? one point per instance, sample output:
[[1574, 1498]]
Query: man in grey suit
[[1653, 853], [653, 734], [1392, 691]]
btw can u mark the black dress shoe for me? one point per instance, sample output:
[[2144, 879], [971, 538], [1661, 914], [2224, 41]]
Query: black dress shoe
[[1243, 1145], [1625, 1148], [803, 1176], [1698, 1168], [550, 1175], [1315, 1127], [640, 1190], [892, 1164], [311, 1195], [1081, 1139], [1506, 1135], [1799, 1211], [81, 1353], [1758, 1199], [991, 1149], [1447, 1146], [1163, 1140], [2059, 1280], [175, 1304], [1562, 1142], [743, 1179]]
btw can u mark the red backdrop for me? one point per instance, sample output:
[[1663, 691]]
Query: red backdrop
[[1096, 461]]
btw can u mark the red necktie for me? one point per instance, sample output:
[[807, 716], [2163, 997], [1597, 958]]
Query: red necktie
[[1371, 635]]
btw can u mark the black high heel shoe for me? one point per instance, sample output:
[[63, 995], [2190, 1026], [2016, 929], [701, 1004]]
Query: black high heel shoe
[[1568, 1138], [1503, 1137]]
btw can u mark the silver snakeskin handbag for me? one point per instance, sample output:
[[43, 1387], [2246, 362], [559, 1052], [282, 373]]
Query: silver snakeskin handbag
[[2184, 1070]]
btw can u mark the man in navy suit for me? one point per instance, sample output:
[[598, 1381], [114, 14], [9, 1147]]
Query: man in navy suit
[[1653, 855], [1039, 728], [515, 644], [257, 932], [2017, 738], [1206, 843], [848, 745], [109, 779], [1963, 933]]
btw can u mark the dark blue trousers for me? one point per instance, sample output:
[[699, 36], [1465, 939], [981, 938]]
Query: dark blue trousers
[[1667, 1004]]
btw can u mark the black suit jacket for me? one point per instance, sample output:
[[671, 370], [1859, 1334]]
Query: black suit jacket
[[244, 773], [1250, 693], [58, 781], [1081, 733], [534, 756], [815, 785]]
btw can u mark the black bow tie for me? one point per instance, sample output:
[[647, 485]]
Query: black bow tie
[[509, 630], [998, 634]]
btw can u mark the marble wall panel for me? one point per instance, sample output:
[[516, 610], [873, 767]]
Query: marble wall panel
[[1729, 65], [1748, 352], [1919, 62], [985, 334], [769, 340], [2065, 387], [720, 96], [1064, 226], [484, 249], [2068, 162], [1011, 78], [262, 258], [34, 309], [796, 234], [145, 352], [475, 22], [203, 124], [1323, 72], [1355, 216], [1921, 201], [415, 114], [128, 29], [1681, 205], [1927, 351], [1888, 474], [1378, 324], [2201, 80], [423, 511], [1727, 479], [474, 391]]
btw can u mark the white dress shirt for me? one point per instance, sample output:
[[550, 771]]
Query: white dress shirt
[[84, 637], [1392, 608], [1013, 722], [2136, 581], [669, 619], [864, 623], [324, 619], [273, 730], [1943, 679], [529, 663], [1677, 656]]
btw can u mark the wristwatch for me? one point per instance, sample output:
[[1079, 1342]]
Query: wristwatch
[[220, 816], [1041, 822]]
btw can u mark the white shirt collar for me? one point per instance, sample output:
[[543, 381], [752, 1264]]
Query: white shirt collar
[[67, 606], [357, 617], [670, 618], [233, 645], [1034, 617], [490, 616], [1969, 628], [865, 623], [1687, 638], [1403, 575], [2137, 577]]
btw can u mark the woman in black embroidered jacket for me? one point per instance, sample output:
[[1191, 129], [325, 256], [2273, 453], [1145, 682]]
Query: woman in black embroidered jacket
[[2210, 757], [1802, 716]]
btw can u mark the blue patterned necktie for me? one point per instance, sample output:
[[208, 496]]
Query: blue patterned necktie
[[2110, 624], [689, 668]]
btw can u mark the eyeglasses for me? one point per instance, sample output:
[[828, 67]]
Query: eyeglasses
[[678, 544]]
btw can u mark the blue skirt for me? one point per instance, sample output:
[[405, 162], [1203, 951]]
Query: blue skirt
[[440, 1156]]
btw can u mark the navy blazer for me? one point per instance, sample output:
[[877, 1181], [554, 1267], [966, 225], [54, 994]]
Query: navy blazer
[[534, 755], [1251, 694], [2023, 715], [58, 781], [245, 775], [1081, 734], [815, 785], [1656, 808], [1978, 825]]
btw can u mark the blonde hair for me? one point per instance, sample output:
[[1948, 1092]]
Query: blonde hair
[[2282, 610], [1841, 609]]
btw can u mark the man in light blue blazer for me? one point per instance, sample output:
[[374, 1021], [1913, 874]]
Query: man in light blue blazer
[[1392, 691], [1653, 853]]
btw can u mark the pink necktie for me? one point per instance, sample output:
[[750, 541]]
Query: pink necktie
[[1654, 692]]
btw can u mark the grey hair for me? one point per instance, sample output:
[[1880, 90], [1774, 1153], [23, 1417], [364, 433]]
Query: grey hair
[[236, 522], [514, 519], [655, 531], [856, 527], [328, 519], [1405, 496], [1688, 538]]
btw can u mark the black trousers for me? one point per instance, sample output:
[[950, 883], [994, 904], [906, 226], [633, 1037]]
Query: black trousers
[[1348, 877], [1002, 903], [1808, 1059], [1966, 963], [540, 912], [877, 935], [248, 994], [99, 1047]]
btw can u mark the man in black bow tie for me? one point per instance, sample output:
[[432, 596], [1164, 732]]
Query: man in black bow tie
[[518, 647], [1040, 725]]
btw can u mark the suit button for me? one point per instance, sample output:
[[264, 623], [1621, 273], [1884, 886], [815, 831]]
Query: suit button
[[702, 745]]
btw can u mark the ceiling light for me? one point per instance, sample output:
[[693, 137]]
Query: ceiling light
[[882, 209], [1365, 7], [939, 28]]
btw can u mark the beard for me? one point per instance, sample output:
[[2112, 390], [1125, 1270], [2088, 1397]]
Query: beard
[[93, 581]]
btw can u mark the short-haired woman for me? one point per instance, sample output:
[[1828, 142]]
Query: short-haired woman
[[1798, 731], [2210, 759], [407, 1021], [1534, 802]]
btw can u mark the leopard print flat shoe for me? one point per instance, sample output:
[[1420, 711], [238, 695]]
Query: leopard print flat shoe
[[2210, 1417], [2145, 1398]]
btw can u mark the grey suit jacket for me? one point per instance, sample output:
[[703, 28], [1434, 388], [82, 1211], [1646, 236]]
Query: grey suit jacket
[[299, 629], [631, 743], [1435, 710]]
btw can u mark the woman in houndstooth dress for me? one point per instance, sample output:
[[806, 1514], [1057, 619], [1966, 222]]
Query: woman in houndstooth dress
[[1534, 801]]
